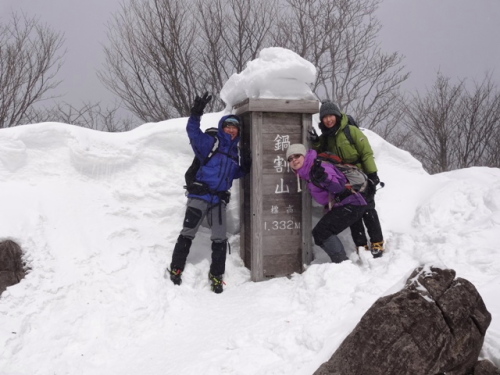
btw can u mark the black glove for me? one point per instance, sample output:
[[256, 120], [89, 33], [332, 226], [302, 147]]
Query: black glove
[[318, 173], [200, 104], [374, 178], [313, 136], [224, 196]]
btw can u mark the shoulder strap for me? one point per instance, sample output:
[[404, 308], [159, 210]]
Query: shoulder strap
[[352, 121], [214, 149], [348, 135]]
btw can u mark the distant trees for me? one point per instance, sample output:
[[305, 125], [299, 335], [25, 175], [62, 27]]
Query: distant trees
[[452, 126], [29, 63], [88, 115], [340, 39], [30, 60], [163, 52]]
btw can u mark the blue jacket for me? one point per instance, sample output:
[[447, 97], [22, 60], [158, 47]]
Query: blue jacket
[[223, 167]]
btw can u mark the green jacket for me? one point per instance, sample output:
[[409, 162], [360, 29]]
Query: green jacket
[[359, 153]]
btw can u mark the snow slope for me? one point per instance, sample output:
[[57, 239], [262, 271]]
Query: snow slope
[[98, 215]]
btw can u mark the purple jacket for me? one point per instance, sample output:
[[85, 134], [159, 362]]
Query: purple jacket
[[331, 187]]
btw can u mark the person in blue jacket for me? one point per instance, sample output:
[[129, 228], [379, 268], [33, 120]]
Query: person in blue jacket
[[209, 195]]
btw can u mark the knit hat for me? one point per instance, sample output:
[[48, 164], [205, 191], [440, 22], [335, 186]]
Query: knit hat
[[231, 121], [328, 108], [296, 149]]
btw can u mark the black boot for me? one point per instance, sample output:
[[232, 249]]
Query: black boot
[[181, 251], [216, 283], [377, 249], [218, 266], [175, 276]]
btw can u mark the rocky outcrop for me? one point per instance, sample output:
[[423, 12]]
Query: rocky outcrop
[[435, 325], [485, 368], [11, 264]]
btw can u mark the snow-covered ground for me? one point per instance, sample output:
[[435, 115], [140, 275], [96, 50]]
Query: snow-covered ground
[[98, 214]]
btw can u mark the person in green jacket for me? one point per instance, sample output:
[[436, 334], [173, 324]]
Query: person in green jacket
[[353, 147]]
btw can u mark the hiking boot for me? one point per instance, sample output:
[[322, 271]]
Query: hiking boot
[[217, 282], [377, 249], [175, 276]]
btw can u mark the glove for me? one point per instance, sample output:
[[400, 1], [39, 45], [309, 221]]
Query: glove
[[224, 196], [200, 104], [318, 173], [313, 136], [374, 178]]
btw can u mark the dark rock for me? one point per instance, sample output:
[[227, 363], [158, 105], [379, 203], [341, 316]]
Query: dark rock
[[436, 324], [11, 264], [485, 367]]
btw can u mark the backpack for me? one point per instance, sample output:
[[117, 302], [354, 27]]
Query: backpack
[[357, 180], [190, 175]]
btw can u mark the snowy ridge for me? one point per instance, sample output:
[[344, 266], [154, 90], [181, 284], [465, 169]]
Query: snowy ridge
[[98, 215]]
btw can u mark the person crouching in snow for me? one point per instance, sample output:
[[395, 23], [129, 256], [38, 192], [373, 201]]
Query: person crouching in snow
[[327, 186]]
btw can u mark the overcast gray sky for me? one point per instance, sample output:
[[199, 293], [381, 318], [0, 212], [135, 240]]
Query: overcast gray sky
[[83, 23], [460, 38], [457, 37]]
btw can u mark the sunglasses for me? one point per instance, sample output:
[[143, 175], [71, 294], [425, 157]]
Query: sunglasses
[[293, 157]]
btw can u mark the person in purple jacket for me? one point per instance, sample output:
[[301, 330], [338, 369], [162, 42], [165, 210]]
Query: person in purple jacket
[[327, 186]]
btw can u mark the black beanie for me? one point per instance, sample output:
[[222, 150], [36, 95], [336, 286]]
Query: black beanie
[[329, 108]]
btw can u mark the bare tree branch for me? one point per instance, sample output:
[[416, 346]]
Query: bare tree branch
[[339, 38], [28, 66], [151, 62], [453, 127], [164, 52]]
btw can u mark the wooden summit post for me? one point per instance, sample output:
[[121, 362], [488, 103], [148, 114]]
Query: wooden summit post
[[275, 217]]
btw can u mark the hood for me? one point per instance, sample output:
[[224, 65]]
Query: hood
[[221, 131]]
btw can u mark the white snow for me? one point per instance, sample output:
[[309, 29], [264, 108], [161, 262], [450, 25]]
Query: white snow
[[276, 73], [98, 214]]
